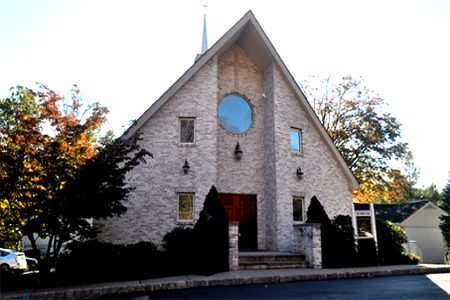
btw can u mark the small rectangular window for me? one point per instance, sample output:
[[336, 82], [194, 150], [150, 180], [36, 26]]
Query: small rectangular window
[[187, 131], [298, 209], [296, 140], [186, 207]]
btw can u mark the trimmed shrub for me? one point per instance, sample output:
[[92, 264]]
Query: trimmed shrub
[[344, 252], [179, 251], [142, 260], [367, 253], [94, 261], [211, 236], [316, 214], [338, 242]]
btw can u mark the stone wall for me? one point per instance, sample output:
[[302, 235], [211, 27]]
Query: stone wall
[[152, 206], [323, 176], [308, 242]]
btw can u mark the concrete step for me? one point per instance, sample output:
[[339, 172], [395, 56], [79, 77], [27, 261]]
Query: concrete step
[[271, 260]]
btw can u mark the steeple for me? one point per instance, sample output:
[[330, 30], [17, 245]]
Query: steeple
[[204, 37]]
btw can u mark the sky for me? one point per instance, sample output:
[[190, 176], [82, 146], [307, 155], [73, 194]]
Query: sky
[[126, 54]]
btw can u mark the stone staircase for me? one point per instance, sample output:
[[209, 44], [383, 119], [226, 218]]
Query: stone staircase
[[261, 260]]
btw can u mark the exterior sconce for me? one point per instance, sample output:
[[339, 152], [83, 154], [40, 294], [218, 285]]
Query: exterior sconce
[[299, 173], [238, 152], [186, 167]]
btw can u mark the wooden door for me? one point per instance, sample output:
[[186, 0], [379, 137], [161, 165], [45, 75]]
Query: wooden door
[[242, 209]]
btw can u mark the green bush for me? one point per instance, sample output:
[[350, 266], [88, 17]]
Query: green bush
[[390, 244], [143, 260], [367, 253], [338, 242], [412, 259], [179, 251], [94, 261], [343, 241]]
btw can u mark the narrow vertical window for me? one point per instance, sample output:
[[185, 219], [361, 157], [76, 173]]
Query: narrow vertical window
[[187, 131], [298, 209], [186, 207], [296, 140]]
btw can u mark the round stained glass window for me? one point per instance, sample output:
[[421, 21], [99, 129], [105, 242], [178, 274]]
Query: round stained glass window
[[235, 114]]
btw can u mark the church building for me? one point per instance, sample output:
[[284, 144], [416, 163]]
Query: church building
[[236, 119]]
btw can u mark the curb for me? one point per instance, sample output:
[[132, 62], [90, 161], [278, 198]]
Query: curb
[[222, 279]]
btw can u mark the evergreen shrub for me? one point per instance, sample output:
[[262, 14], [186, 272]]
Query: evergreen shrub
[[316, 214], [338, 242], [94, 261], [343, 241], [367, 253], [178, 249], [211, 236]]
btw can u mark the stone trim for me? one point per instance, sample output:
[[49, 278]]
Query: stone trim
[[233, 235], [297, 194], [186, 189]]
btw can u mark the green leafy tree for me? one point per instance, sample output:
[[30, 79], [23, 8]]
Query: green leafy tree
[[428, 193], [367, 137], [57, 171], [445, 220]]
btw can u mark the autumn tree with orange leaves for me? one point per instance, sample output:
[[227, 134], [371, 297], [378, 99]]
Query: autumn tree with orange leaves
[[367, 137], [57, 170]]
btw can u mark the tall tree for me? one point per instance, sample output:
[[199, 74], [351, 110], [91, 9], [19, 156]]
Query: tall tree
[[445, 220], [56, 169], [367, 137], [428, 193]]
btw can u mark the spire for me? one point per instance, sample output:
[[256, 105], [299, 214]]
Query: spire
[[204, 38]]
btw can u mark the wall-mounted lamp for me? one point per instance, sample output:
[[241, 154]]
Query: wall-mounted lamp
[[186, 167], [238, 152], [299, 173]]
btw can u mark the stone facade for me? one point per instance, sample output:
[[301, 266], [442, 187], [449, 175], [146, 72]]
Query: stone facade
[[152, 208], [267, 168]]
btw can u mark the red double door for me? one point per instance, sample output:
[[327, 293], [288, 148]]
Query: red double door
[[242, 209]]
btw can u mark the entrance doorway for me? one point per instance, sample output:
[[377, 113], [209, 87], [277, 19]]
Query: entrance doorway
[[242, 209]]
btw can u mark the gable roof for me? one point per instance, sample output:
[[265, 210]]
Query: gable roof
[[397, 213], [250, 36]]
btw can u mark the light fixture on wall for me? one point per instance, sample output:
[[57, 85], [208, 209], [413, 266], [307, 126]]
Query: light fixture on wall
[[186, 167], [299, 173], [238, 152]]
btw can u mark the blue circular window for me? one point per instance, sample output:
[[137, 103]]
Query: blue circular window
[[235, 114]]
